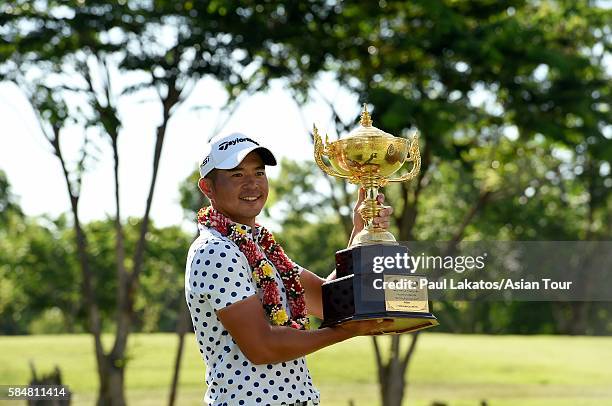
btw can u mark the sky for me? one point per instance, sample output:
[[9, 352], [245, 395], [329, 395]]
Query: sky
[[36, 178]]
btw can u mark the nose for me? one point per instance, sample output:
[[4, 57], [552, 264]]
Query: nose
[[250, 183]]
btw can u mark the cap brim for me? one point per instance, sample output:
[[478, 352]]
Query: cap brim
[[266, 155]]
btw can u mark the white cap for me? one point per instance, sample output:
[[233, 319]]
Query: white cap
[[228, 151]]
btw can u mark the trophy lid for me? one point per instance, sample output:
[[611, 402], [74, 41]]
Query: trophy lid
[[366, 129]]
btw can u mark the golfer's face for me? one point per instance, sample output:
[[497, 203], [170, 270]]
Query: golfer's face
[[240, 193]]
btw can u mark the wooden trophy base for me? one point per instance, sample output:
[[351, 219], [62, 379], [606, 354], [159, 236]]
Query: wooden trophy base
[[365, 291]]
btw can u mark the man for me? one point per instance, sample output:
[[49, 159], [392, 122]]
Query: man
[[248, 301]]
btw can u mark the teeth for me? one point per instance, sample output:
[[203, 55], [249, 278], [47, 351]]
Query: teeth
[[249, 198]]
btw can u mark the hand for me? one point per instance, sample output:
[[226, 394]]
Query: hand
[[366, 327], [383, 220]]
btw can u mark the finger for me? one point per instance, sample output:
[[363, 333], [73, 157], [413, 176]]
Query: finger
[[380, 220], [361, 195], [380, 198], [386, 212]]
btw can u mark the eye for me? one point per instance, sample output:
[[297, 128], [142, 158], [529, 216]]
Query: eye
[[261, 173], [237, 175]]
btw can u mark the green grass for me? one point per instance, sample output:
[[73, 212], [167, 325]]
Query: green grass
[[460, 370]]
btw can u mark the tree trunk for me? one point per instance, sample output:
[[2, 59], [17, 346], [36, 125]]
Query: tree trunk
[[393, 384], [392, 373], [111, 391], [88, 284]]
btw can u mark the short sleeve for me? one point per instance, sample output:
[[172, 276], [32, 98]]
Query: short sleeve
[[220, 274], [300, 268]]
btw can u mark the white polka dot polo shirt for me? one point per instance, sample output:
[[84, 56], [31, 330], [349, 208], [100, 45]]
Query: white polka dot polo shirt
[[217, 274]]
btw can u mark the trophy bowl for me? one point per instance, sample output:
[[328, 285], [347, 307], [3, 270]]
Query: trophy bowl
[[368, 157]]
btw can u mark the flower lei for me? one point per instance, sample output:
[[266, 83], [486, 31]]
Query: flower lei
[[263, 273]]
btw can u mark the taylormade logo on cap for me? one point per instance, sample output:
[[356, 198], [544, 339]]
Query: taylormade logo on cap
[[223, 146]]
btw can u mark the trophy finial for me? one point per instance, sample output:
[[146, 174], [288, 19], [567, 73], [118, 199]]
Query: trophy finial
[[366, 120]]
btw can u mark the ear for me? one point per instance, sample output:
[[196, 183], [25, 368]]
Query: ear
[[206, 187]]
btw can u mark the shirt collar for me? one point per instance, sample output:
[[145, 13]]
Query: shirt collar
[[250, 231]]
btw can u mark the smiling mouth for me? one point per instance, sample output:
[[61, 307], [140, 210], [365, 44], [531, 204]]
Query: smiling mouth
[[250, 198]]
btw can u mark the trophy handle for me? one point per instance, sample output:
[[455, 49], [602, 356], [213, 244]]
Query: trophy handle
[[319, 151], [415, 157]]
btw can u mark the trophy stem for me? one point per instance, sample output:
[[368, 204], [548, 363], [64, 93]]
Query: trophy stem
[[371, 233], [370, 208]]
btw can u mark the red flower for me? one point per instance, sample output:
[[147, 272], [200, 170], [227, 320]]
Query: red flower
[[266, 238], [295, 286], [250, 251], [270, 293], [299, 306]]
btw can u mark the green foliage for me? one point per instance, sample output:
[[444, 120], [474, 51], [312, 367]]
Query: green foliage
[[162, 295], [156, 307], [9, 205], [303, 193], [312, 245], [49, 321], [41, 282], [37, 272], [191, 198]]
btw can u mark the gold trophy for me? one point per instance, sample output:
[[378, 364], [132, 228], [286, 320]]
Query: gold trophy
[[369, 157]]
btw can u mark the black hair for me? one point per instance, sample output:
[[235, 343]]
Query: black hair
[[212, 175]]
